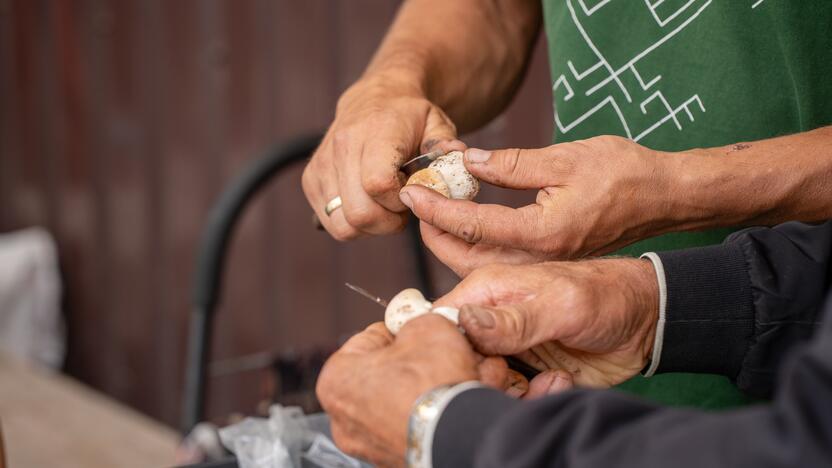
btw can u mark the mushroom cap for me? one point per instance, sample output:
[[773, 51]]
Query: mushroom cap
[[450, 313], [404, 307], [432, 179], [448, 176], [461, 183]]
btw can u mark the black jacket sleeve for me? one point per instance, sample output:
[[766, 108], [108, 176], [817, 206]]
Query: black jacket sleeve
[[736, 309], [776, 278]]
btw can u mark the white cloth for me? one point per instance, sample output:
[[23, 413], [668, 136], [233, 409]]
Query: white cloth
[[31, 325]]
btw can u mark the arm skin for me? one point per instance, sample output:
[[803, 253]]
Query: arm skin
[[766, 182], [466, 56], [444, 64], [604, 193]]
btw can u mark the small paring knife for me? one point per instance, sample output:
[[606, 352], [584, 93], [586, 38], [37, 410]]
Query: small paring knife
[[421, 161]]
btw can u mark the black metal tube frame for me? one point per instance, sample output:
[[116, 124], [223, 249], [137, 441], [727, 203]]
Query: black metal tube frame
[[211, 256]]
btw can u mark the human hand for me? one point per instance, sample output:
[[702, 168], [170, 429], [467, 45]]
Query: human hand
[[379, 124], [595, 319], [595, 196], [370, 385]]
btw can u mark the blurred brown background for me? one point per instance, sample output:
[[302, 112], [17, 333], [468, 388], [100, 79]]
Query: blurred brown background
[[121, 121]]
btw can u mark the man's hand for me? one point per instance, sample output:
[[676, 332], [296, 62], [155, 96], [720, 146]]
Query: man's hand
[[595, 196], [369, 386], [424, 71], [595, 319], [378, 126], [600, 194]]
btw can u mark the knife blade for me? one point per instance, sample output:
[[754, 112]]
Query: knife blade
[[422, 160], [367, 294]]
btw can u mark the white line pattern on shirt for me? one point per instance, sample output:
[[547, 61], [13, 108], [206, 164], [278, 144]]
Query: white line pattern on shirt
[[589, 79]]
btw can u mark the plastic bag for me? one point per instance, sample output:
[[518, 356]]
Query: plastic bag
[[287, 439]]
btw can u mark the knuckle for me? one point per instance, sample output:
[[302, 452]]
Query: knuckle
[[342, 233], [360, 216], [509, 166], [470, 231], [323, 390], [341, 137], [307, 179], [341, 439], [376, 183]]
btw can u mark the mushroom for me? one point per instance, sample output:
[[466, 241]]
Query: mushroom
[[432, 179], [409, 304], [448, 176]]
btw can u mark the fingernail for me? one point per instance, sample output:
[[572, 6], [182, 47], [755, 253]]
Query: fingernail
[[560, 384], [482, 318], [475, 155], [515, 392], [405, 198]]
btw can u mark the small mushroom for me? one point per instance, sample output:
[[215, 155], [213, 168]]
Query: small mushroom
[[404, 307], [409, 304], [432, 179], [448, 176]]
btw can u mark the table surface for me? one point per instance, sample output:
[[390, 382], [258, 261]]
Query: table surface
[[51, 420]]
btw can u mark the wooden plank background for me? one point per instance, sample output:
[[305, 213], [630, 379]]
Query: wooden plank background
[[120, 122]]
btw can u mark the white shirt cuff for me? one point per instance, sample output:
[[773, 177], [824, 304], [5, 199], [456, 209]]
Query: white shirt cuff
[[658, 341]]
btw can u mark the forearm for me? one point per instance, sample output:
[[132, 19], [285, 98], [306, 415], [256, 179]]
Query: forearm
[[736, 309], [765, 182], [466, 56], [584, 428]]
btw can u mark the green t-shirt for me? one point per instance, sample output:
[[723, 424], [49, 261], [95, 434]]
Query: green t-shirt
[[680, 74]]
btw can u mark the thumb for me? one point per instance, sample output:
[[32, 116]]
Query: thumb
[[515, 168], [439, 133], [498, 330]]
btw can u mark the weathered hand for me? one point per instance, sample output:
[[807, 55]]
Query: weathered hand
[[595, 319], [595, 196], [378, 126], [369, 386]]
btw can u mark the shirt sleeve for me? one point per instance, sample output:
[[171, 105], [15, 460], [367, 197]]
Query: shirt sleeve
[[591, 428], [748, 309], [736, 309]]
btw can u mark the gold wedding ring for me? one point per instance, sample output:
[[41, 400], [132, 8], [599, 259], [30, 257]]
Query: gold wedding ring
[[333, 205]]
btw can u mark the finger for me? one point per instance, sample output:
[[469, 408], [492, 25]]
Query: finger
[[473, 222], [546, 357], [564, 381], [320, 185], [548, 383], [503, 330], [516, 385], [359, 209], [431, 327], [463, 257], [531, 359], [564, 360], [493, 372], [381, 160], [392, 145], [374, 337], [440, 133], [520, 168]]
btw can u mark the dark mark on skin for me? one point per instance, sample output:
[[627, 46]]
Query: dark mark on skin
[[429, 144], [740, 147]]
